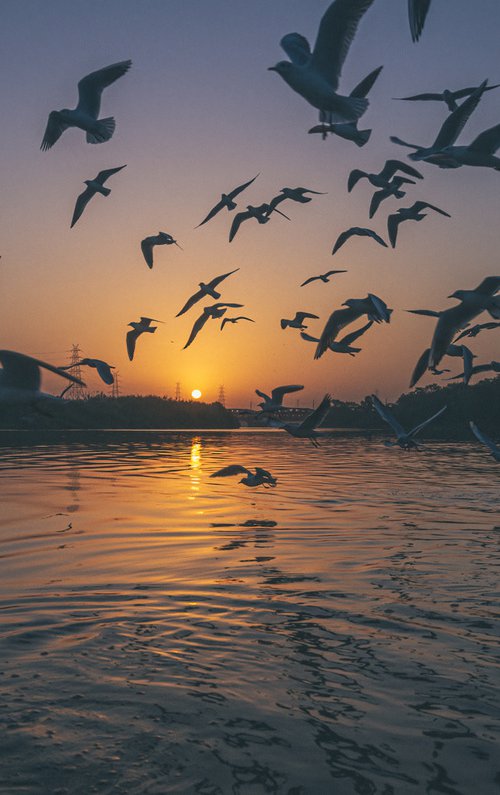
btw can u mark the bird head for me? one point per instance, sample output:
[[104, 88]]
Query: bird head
[[283, 68], [458, 294]]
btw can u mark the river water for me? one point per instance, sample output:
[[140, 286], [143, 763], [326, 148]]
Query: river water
[[163, 631]]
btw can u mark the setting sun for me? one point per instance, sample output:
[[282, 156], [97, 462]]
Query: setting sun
[[196, 393]]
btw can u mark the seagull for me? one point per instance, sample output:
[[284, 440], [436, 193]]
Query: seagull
[[86, 112], [226, 200], [345, 344], [472, 303], [405, 440], [348, 130], [447, 96], [20, 378], [484, 439], [103, 368], [360, 231], [213, 311], [449, 131], [261, 477], [261, 214], [93, 186], [295, 194], [307, 428], [490, 367], [462, 351], [298, 320], [479, 153], [474, 330], [412, 213], [205, 289], [393, 189], [138, 328], [323, 277], [274, 401], [372, 306], [382, 179], [234, 320], [161, 239], [315, 75], [417, 12]]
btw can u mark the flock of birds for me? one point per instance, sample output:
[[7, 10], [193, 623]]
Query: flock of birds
[[314, 74]]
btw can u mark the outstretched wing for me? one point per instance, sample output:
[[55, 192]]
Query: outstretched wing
[[337, 320], [484, 439], [362, 89], [487, 142], [237, 221], [232, 469], [147, 249], [419, 206], [354, 335], [354, 177], [393, 222], [131, 339], [391, 166], [53, 131], [198, 325], [191, 302], [91, 86], [108, 172], [317, 416], [218, 279], [80, 205], [420, 367], [387, 416], [297, 48], [104, 371], [456, 121], [241, 188], [279, 392], [360, 232], [422, 425], [336, 32], [417, 12], [216, 209]]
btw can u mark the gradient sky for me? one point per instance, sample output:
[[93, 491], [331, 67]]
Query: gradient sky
[[197, 114]]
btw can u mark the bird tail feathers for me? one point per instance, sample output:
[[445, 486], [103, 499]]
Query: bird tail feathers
[[494, 310], [103, 132], [106, 191], [362, 138]]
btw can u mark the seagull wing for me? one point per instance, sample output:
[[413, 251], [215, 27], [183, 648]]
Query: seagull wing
[[423, 424], [81, 203], [309, 280], [218, 279], [91, 86], [354, 335], [22, 371], [456, 121], [263, 395], [488, 286], [301, 316], [417, 12], [232, 469], [53, 131], [487, 142], [297, 48], [197, 327], [362, 89], [337, 320], [237, 221], [354, 177], [426, 312], [336, 32], [108, 172], [393, 222], [360, 232], [425, 96], [241, 188], [317, 416], [449, 322], [484, 439], [279, 392], [308, 338], [377, 198], [131, 339], [147, 249], [391, 166], [420, 367], [191, 302], [387, 416], [419, 206], [216, 209], [104, 371]]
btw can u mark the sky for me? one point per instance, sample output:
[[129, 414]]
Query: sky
[[198, 114]]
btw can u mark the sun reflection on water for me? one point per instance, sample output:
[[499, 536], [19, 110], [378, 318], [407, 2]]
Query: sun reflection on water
[[195, 463]]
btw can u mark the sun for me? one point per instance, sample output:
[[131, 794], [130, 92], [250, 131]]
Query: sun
[[196, 394]]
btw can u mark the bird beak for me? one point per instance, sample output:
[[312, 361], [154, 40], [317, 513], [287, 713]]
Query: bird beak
[[176, 243], [271, 69]]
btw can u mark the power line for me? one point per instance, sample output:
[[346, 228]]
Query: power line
[[76, 391], [115, 386], [222, 396]]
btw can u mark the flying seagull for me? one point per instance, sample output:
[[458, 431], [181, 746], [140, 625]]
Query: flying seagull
[[484, 439], [307, 428], [261, 477], [490, 367], [274, 401], [473, 331], [297, 321], [393, 189], [372, 306], [479, 153], [234, 320], [449, 131], [103, 368], [161, 239], [405, 440], [227, 200], [382, 179], [360, 232], [86, 112], [138, 328], [451, 321], [93, 186], [345, 344], [261, 213], [323, 277], [413, 213], [348, 130], [461, 351], [214, 311], [417, 12], [294, 194], [447, 96], [205, 289], [20, 378], [315, 75]]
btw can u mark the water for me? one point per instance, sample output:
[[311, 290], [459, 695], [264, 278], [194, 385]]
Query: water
[[162, 631]]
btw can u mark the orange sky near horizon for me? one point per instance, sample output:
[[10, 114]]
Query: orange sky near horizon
[[197, 114]]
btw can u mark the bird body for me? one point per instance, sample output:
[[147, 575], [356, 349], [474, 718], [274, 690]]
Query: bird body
[[315, 74], [93, 186], [142, 327], [86, 112], [227, 200], [205, 289]]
